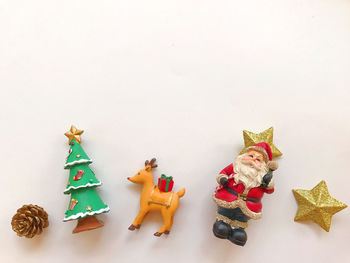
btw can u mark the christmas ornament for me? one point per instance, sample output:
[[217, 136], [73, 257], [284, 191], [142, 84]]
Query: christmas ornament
[[73, 203], [79, 175], [242, 185], [85, 203], [152, 199], [317, 205], [29, 221], [251, 138]]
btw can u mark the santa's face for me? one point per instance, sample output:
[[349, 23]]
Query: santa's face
[[250, 168], [254, 157]]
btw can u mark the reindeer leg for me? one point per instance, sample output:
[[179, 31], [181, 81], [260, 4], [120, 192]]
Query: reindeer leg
[[167, 223], [138, 220], [167, 232]]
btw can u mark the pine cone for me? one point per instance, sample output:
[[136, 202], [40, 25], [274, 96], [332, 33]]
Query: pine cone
[[29, 221]]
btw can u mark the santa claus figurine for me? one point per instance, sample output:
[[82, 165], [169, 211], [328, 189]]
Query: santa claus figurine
[[242, 185]]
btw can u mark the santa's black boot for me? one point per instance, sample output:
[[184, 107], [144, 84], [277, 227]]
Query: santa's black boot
[[238, 236], [221, 229]]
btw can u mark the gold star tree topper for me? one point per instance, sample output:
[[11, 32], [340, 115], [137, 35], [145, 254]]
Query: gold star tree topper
[[251, 138], [317, 205], [74, 134]]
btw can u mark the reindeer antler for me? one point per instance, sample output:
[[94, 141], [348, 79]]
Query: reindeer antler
[[151, 163]]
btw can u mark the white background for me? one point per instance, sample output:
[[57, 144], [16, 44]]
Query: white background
[[178, 80]]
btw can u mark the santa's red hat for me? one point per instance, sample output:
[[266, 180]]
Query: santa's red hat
[[265, 149]]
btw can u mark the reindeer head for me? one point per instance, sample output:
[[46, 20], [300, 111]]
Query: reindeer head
[[144, 175]]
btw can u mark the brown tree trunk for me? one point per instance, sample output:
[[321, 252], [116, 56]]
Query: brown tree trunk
[[87, 223]]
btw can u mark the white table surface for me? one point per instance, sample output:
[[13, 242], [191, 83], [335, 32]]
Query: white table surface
[[178, 80]]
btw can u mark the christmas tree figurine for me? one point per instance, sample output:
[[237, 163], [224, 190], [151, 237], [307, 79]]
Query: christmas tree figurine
[[85, 202]]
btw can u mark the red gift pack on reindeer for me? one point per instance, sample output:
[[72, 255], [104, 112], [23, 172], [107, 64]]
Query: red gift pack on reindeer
[[165, 183], [156, 198]]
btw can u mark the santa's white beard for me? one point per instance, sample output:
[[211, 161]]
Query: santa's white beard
[[250, 176]]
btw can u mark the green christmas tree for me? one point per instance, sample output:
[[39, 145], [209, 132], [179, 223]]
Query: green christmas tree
[[85, 202]]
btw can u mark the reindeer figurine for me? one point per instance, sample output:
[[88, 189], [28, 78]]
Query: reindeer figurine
[[152, 199]]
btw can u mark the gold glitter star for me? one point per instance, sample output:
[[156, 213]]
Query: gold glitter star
[[251, 138], [317, 205], [74, 133]]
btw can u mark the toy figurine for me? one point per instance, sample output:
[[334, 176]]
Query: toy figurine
[[241, 188], [85, 202], [156, 198]]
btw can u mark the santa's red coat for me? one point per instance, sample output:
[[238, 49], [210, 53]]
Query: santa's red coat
[[225, 199]]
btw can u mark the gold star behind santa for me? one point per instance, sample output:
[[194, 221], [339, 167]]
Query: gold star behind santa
[[74, 134], [251, 138], [317, 205]]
